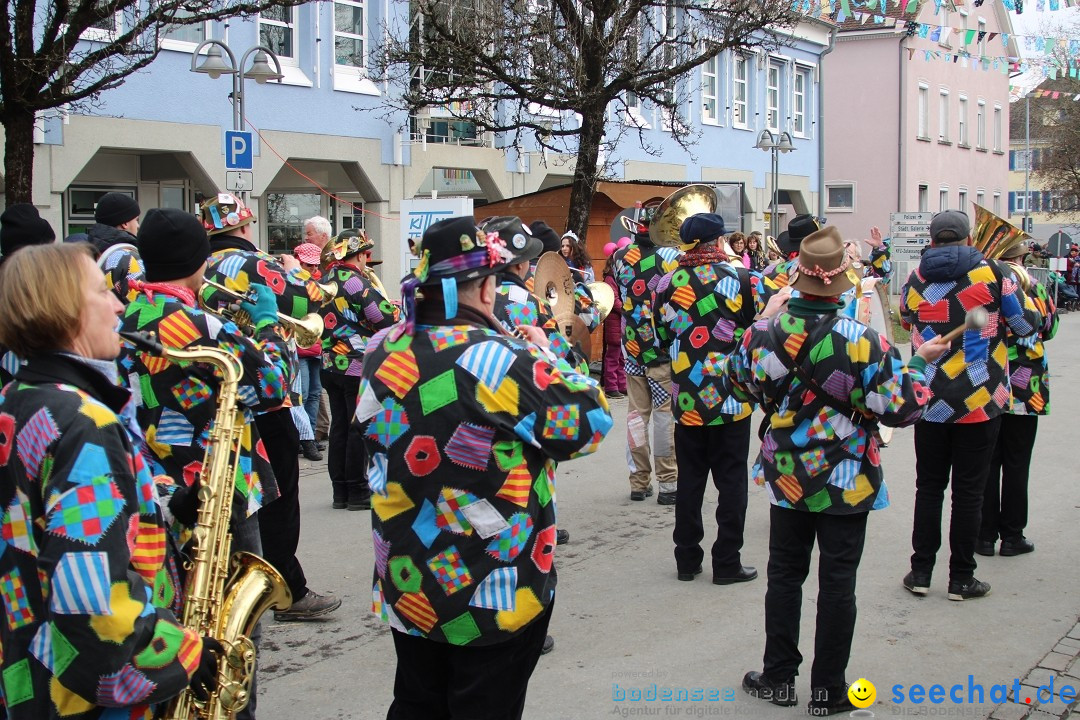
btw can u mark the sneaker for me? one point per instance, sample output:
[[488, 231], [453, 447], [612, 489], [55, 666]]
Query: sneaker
[[688, 576], [1016, 546], [549, 645], [829, 702], [665, 498], [755, 684], [984, 548], [562, 537], [310, 606], [917, 583], [968, 590], [310, 451]]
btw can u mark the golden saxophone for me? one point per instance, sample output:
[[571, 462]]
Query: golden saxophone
[[226, 592]]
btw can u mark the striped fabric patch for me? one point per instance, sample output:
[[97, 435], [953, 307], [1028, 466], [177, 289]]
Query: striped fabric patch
[[516, 487], [125, 687], [230, 265], [497, 590], [843, 475], [148, 555], [177, 330], [399, 372], [487, 361], [80, 584], [174, 429], [34, 439], [382, 552], [470, 446], [52, 649], [416, 608]]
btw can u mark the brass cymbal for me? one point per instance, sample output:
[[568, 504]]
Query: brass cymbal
[[603, 296], [553, 283], [576, 331]]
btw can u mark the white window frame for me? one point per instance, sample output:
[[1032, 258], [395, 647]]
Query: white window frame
[[104, 35], [168, 43], [773, 70], [980, 125], [807, 75], [294, 12], [998, 119], [743, 61], [943, 198], [350, 78], [943, 115], [997, 203], [962, 126], [923, 128], [962, 200], [980, 196], [924, 198], [710, 69], [840, 208], [982, 43]]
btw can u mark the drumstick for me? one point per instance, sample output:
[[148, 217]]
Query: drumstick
[[975, 319]]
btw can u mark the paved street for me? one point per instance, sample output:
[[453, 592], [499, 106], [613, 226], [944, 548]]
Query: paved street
[[622, 619]]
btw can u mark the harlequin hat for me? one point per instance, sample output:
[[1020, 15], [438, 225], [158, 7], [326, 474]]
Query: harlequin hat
[[224, 212], [801, 226], [307, 253], [348, 243], [518, 237], [823, 264]]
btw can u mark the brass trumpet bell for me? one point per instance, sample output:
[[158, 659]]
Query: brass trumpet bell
[[676, 207], [306, 330]]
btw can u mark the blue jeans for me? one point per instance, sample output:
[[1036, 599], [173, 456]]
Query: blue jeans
[[311, 387]]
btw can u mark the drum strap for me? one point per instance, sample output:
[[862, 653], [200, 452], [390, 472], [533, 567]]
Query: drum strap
[[796, 369]]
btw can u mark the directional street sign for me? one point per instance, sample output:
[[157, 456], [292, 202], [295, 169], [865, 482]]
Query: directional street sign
[[238, 150], [239, 181]]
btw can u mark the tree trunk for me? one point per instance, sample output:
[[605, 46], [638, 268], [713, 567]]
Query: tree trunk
[[18, 156], [586, 172]]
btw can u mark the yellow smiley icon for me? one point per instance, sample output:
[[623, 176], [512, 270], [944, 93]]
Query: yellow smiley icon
[[862, 693]]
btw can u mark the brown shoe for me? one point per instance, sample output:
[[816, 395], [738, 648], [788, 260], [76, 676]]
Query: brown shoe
[[310, 606]]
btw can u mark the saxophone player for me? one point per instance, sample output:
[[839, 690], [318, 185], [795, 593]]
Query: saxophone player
[[84, 578], [235, 261]]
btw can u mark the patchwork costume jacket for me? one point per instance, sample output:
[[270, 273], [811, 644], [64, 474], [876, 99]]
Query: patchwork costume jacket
[[85, 631], [971, 381], [813, 456], [123, 272], [516, 305], [357, 312], [638, 269], [1029, 374], [464, 426], [702, 311], [176, 403]]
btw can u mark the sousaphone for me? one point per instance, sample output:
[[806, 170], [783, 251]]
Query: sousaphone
[[676, 207], [994, 237]]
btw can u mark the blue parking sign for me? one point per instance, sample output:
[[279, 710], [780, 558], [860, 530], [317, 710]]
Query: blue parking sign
[[238, 150]]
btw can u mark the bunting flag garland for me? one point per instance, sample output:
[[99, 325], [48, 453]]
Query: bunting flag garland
[[819, 8]]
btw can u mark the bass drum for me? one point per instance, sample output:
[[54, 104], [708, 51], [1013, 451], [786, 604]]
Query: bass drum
[[875, 310]]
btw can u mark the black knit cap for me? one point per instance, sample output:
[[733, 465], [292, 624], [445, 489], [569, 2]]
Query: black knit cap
[[550, 238], [20, 226], [172, 243], [115, 209]]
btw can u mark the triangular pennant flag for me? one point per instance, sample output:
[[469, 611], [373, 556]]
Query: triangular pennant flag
[[910, 53], [912, 6], [969, 37]]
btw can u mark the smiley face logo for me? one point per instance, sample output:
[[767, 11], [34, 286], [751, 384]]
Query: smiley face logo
[[862, 693]]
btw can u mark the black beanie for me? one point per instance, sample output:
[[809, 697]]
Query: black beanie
[[115, 209], [20, 226], [172, 244], [550, 238]]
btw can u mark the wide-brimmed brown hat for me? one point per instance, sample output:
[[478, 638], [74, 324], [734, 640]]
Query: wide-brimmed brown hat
[[823, 264]]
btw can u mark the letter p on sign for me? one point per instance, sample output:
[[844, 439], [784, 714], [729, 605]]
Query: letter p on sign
[[238, 150]]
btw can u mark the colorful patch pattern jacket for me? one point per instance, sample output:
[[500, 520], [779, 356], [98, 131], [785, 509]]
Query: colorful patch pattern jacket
[[516, 305], [176, 403], [638, 269], [701, 315], [85, 630], [971, 381], [123, 271], [464, 427], [351, 318], [813, 457], [1029, 373]]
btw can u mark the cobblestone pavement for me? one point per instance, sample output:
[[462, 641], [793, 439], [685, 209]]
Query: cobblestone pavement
[[1059, 667]]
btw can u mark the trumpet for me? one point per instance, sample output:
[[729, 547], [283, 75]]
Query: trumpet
[[307, 330]]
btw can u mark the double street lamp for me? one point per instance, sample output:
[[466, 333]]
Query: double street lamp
[[775, 144], [215, 66]]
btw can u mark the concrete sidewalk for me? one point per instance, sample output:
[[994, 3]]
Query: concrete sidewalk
[[624, 623]]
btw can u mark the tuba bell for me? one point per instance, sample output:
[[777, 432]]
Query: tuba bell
[[994, 237], [676, 207]]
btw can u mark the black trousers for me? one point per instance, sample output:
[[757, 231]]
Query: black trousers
[[964, 451], [1005, 499], [279, 521], [721, 450], [439, 681], [346, 458], [840, 540]]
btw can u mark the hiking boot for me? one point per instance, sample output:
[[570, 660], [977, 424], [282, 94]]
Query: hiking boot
[[917, 583], [968, 589], [665, 498], [312, 605], [310, 451], [757, 685]]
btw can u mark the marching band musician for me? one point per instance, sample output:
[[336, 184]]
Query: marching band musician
[[702, 310], [824, 382], [88, 633], [349, 321], [1005, 499], [463, 424], [238, 264], [955, 439]]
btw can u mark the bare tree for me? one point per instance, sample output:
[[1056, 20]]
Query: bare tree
[[548, 71], [65, 54]]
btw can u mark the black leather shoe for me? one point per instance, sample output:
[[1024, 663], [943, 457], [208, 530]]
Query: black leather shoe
[[984, 548], [637, 495], [340, 505], [778, 693], [917, 583], [562, 537], [688, 576], [745, 574], [665, 498], [549, 645], [361, 504], [1017, 546], [310, 451], [829, 702]]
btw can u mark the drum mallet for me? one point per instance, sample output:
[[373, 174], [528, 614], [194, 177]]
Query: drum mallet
[[975, 319]]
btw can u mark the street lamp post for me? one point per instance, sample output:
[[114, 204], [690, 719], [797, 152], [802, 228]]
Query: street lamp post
[[775, 144]]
